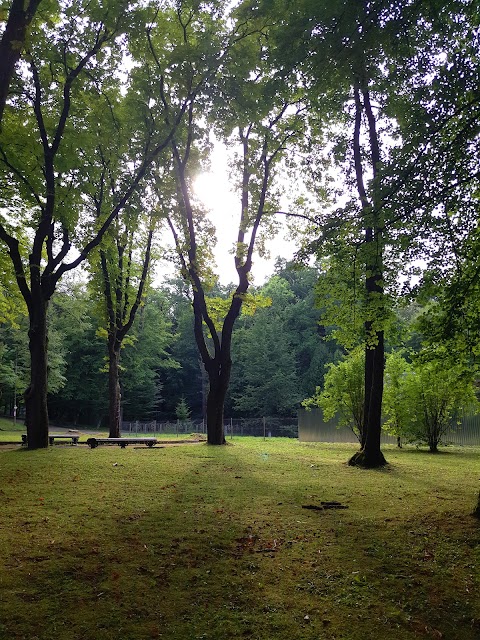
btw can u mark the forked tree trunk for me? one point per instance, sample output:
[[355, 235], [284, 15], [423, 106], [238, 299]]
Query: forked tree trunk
[[114, 393], [36, 394]]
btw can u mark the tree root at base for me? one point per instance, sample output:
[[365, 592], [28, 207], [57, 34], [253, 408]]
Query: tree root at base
[[367, 460]]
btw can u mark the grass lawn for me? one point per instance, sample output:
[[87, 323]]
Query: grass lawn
[[10, 430], [210, 543]]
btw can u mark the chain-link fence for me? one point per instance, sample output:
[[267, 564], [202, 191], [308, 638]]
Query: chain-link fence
[[265, 427], [310, 427]]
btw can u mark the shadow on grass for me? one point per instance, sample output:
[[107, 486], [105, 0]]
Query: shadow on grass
[[212, 543]]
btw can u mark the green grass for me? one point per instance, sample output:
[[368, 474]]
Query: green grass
[[10, 430], [212, 543]]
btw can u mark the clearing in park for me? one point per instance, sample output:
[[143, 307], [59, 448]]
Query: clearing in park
[[258, 539]]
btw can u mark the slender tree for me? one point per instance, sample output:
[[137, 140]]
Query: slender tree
[[370, 454], [124, 286], [253, 112], [69, 92]]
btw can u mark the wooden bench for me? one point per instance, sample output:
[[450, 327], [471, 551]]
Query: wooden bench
[[122, 442], [73, 438], [51, 439]]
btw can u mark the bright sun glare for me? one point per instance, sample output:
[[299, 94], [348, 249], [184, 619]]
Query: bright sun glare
[[213, 189]]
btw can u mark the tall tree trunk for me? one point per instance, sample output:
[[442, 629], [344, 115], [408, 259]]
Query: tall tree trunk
[[114, 393], [218, 378], [370, 454], [36, 393]]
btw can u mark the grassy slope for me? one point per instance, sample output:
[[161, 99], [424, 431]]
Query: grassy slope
[[11, 431], [212, 543]]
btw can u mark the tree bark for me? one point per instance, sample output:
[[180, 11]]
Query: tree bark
[[370, 454], [218, 385], [114, 392], [36, 394], [11, 44]]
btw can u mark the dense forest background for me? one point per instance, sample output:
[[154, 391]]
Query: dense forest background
[[279, 353], [358, 123]]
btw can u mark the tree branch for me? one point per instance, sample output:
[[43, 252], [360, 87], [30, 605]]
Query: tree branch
[[14, 252]]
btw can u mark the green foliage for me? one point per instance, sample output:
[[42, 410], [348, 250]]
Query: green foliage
[[424, 399], [13, 366], [12, 305], [278, 354], [188, 379], [82, 399], [105, 86], [396, 404], [182, 410], [218, 306], [343, 392], [15, 360], [148, 359]]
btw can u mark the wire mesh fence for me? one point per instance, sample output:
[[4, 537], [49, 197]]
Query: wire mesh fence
[[309, 427], [264, 427]]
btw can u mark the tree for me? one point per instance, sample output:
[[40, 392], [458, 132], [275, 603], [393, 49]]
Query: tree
[[51, 158], [39, 164], [188, 380], [265, 357], [13, 364], [310, 340], [430, 396], [343, 393], [123, 286], [278, 353], [73, 317], [396, 406], [182, 411], [380, 69], [338, 50], [258, 114], [148, 358]]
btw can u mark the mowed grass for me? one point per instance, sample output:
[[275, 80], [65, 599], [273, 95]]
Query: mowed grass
[[10, 430], [209, 543]]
